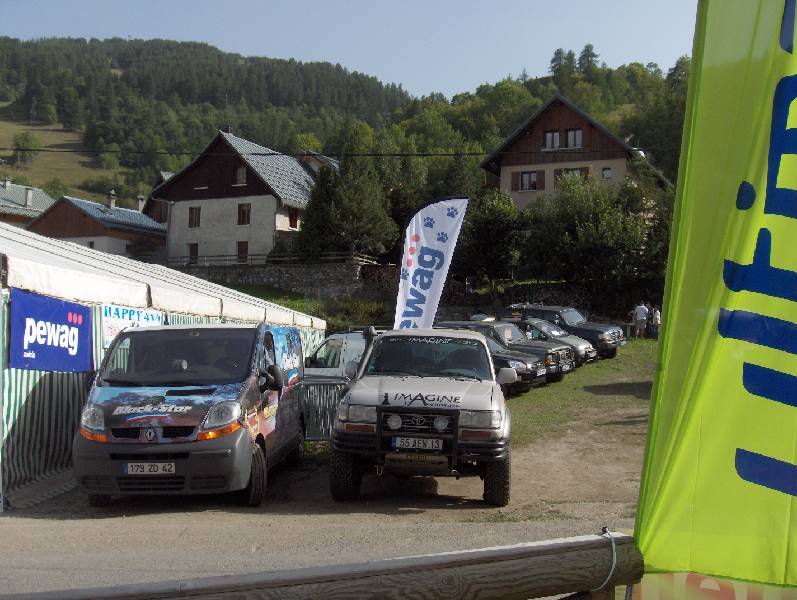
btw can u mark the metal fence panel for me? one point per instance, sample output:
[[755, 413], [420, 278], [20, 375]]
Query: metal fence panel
[[322, 396]]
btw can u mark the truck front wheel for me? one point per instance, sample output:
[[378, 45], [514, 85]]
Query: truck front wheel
[[345, 477], [497, 481]]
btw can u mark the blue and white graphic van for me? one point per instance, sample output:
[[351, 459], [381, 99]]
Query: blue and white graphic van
[[195, 409]]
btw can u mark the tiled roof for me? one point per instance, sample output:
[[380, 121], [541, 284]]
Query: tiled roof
[[118, 218], [284, 174], [12, 200]]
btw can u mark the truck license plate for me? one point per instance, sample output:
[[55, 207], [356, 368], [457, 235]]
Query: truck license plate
[[149, 469], [403, 443]]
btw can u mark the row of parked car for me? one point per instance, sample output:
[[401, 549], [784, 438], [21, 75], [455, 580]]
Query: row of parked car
[[541, 343]]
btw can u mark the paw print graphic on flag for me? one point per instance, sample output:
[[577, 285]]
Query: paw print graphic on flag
[[452, 212], [442, 237], [428, 222], [404, 273]]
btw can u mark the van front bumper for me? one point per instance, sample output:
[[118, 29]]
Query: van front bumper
[[208, 467]]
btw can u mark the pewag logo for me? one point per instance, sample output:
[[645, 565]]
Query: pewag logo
[[58, 335]]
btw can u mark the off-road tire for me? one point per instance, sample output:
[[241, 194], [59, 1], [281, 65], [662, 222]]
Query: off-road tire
[[610, 353], [345, 477], [99, 500], [255, 491], [497, 481], [297, 454], [554, 378]]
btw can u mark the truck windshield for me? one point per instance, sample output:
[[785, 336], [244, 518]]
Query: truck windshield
[[572, 316], [180, 357], [429, 356]]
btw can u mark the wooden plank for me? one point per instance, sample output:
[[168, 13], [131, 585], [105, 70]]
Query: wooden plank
[[512, 572]]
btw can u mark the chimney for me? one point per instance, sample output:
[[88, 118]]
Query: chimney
[[28, 198], [141, 199], [7, 183], [112, 199], [228, 129]]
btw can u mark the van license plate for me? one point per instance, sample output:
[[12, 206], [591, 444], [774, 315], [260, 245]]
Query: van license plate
[[149, 469], [403, 443]]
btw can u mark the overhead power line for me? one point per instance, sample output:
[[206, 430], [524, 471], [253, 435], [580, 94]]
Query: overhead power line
[[331, 154]]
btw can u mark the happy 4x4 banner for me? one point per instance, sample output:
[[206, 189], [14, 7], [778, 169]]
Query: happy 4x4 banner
[[719, 488], [429, 242]]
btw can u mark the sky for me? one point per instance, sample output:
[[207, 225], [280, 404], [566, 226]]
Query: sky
[[446, 46]]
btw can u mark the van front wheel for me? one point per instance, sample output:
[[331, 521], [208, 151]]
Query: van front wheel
[[345, 477], [254, 493]]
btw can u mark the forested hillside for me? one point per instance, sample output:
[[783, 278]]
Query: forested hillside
[[144, 106]]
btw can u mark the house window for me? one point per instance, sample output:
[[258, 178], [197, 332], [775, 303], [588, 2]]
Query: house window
[[606, 173], [551, 140], [243, 252], [528, 180], [293, 218], [574, 138], [244, 213], [240, 176], [193, 216], [193, 253]]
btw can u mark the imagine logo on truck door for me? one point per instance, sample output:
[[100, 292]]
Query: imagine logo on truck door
[[49, 334]]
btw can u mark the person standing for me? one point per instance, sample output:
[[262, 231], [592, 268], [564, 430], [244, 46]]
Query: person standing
[[640, 319], [656, 321]]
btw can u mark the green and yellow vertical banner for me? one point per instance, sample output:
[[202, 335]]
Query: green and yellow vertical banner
[[719, 487]]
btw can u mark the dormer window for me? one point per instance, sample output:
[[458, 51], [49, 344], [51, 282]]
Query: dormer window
[[240, 176]]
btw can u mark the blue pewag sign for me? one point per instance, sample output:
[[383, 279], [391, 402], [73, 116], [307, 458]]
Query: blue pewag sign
[[49, 334]]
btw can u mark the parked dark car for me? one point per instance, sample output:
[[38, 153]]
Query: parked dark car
[[539, 329], [558, 357], [605, 337]]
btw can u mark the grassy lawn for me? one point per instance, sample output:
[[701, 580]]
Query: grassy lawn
[[70, 167], [339, 313], [604, 386]]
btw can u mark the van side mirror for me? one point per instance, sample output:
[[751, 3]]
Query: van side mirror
[[350, 370], [506, 376], [90, 377], [271, 378]]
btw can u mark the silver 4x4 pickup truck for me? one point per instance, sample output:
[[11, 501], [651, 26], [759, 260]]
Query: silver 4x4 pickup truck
[[424, 402]]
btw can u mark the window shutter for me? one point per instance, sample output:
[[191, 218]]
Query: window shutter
[[540, 180], [515, 181]]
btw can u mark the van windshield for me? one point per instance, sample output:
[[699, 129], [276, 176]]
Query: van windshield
[[180, 357], [429, 356]]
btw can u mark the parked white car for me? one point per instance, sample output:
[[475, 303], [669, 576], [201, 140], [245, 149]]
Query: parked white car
[[331, 357]]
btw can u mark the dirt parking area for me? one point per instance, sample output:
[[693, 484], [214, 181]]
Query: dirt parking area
[[575, 468]]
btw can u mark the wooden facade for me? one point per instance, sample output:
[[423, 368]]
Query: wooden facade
[[211, 175], [528, 146], [64, 221]]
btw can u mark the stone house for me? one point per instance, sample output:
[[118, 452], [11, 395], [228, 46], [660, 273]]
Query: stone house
[[232, 202]]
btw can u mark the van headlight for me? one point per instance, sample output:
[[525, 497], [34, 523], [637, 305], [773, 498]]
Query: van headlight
[[362, 414], [480, 419], [92, 417], [222, 414]]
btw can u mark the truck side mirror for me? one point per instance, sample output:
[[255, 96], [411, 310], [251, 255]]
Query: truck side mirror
[[350, 370], [506, 376]]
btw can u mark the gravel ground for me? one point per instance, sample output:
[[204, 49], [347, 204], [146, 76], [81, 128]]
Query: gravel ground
[[571, 484]]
